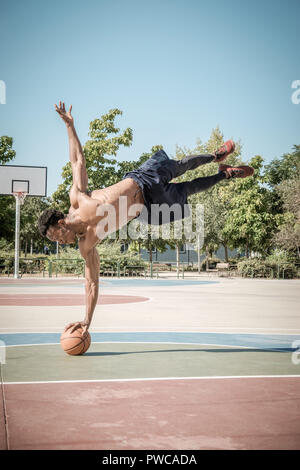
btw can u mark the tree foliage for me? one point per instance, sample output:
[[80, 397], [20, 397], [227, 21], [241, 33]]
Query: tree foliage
[[284, 168], [6, 151], [30, 212], [100, 151], [250, 222], [288, 235], [7, 206], [283, 178]]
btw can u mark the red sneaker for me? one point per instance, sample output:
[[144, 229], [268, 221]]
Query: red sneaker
[[224, 151], [236, 172]]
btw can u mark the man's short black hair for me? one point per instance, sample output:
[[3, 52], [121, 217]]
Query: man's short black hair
[[49, 217]]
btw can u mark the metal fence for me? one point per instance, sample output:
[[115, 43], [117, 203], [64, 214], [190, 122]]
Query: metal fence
[[76, 267]]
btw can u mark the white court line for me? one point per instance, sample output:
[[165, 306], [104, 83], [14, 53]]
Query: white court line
[[27, 330], [157, 379], [156, 342]]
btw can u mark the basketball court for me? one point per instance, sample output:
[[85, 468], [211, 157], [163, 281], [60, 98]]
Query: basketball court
[[173, 364]]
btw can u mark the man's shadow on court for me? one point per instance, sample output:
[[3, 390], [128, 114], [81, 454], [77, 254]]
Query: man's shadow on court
[[212, 350]]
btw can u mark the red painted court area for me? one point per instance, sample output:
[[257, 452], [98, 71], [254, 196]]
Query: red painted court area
[[65, 299], [230, 413]]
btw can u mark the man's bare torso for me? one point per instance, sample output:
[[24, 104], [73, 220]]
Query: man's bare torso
[[91, 208]]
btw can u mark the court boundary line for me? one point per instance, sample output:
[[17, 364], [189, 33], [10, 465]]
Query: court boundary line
[[5, 416], [159, 331], [161, 342], [148, 379]]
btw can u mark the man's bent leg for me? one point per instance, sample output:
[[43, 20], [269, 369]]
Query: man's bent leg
[[202, 184], [191, 162]]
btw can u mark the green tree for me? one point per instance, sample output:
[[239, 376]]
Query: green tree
[[7, 217], [284, 168], [283, 178], [7, 206], [250, 223], [288, 235], [29, 233], [279, 170], [6, 151]]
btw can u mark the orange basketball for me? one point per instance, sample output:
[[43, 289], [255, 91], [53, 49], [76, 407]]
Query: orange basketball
[[75, 343]]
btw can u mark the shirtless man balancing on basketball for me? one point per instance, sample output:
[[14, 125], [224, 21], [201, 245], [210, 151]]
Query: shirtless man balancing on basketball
[[149, 184]]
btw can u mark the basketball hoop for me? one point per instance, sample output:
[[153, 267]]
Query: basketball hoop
[[21, 181], [20, 196]]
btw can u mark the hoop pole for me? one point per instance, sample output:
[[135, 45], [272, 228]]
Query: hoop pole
[[17, 239]]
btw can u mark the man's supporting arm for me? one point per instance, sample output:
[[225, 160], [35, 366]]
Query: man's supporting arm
[[92, 265]]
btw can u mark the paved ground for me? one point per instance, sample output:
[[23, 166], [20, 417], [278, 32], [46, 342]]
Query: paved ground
[[174, 364], [226, 305]]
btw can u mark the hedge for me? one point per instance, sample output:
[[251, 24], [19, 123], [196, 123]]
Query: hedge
[[268, 269]]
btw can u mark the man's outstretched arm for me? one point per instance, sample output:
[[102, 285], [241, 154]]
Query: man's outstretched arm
[[92, 265], [77, 159]]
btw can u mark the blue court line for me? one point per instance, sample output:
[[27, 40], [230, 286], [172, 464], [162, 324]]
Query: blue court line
[[259, 341]]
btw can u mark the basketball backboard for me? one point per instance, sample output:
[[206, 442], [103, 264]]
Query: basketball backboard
[[31, 180], [20, 182]]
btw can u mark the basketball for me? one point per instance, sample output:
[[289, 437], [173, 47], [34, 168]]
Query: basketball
[[75, 343]]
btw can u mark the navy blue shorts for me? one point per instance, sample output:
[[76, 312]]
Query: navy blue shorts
[[153, 177]]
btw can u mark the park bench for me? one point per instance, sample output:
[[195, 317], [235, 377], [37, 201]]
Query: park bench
[[222, 268], [162, 266], [107, 272], [134, 271]]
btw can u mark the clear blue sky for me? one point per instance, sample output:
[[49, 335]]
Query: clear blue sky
[[176, 68]]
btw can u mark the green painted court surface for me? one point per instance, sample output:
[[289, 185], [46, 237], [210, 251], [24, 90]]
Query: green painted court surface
[[129, 361]]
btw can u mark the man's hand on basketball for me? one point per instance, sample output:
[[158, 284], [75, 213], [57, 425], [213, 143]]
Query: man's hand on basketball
[[65, 115], [79, 324]]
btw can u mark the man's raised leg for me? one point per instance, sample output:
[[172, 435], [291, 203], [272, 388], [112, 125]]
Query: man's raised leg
[[203, 184], [191, 162], [225, 172]]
